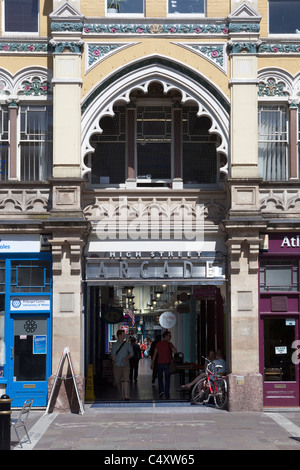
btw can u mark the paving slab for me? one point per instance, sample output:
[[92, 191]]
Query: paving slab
[[152, 428]]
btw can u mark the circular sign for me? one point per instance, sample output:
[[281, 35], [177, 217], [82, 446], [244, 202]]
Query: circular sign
[[167, 320]]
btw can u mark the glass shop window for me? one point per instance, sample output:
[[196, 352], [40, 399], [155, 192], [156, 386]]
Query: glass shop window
[[278, 276], [30, 276]]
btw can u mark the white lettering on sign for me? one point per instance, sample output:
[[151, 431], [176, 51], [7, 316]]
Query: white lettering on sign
[[152, 268], [293, 242]]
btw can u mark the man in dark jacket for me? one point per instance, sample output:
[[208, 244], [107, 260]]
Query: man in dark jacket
[[134, 360], [151, 354]]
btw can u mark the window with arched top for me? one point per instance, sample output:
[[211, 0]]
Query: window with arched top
[[154, 139]]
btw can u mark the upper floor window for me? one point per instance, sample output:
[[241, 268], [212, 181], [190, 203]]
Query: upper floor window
[[21, 16], [186, 6], [26, 148], [284, 16], [108, 162], [125, 6], [36, 142], [272, 143], [4, 143], [153, 141]]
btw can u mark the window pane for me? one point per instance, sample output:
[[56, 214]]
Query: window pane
[[21, 15], [186, 6], [278, 340], [36, 142], [108, 163], [126, 6], [272, 145], [154, 160], [154, 134], [199, 163], [199, 156], [108, 160], [30, 276], [284, 16], [4, 144], [28, 364], [276, 276]]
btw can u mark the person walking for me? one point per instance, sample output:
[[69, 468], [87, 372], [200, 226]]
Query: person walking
[[121, 352], [151, 354], [134, 360], [163, 350]]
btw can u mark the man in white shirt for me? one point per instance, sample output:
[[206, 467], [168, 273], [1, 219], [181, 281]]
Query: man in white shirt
[[121, 352]]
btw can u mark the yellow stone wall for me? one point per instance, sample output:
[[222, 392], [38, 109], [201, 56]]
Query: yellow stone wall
[[152, 47]]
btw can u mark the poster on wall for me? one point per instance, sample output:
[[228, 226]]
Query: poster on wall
[[39, 344]]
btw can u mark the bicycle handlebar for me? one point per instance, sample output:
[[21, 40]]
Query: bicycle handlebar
[[217, 366]]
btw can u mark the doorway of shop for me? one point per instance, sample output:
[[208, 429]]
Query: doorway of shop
[[193, 314]]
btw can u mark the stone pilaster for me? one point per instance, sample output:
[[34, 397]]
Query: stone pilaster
[[245, 381], [66, 43], [67, 243]]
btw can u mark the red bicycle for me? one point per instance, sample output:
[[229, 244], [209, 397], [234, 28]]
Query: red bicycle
[[212, 385]]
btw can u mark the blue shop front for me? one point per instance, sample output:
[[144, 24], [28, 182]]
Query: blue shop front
[[25, 319]]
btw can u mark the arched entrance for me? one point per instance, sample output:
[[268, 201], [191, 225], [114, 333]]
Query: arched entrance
[[154, 155]]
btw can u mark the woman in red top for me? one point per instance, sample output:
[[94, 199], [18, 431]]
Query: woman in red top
[[163, 350]]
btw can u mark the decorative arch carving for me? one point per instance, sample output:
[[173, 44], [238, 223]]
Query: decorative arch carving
[[31, 81], [275, 83], [192, 86]]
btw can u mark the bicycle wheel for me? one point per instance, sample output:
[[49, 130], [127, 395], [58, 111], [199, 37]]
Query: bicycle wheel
[[199, 392], [220, 393]]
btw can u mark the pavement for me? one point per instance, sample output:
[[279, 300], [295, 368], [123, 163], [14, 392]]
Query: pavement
[[150, 429]]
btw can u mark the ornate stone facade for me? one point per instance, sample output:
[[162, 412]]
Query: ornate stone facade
[[223, 63]]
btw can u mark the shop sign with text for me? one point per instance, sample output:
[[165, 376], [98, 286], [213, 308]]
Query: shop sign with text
[[154, 265]]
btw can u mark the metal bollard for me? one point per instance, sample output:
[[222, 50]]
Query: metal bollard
[[5, 423]]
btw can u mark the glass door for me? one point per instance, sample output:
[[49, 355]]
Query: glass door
[[280, 370], [29, 364]]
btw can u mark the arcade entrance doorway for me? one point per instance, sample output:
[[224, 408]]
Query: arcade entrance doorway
[[198, 326]]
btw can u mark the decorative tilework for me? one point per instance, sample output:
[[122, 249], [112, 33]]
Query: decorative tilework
[[169, 29], [214, 52], [96, 52]]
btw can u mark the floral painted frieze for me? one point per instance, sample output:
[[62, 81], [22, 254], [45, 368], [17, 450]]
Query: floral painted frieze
[[67, 26], [170, 29], [272, 87], [35, 87], [96, 52], [280, 48], [214, 52], [23, 47]]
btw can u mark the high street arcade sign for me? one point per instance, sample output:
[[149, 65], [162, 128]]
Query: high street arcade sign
[[147, 266]]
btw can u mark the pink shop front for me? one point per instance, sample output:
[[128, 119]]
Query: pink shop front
[[279, 305]]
